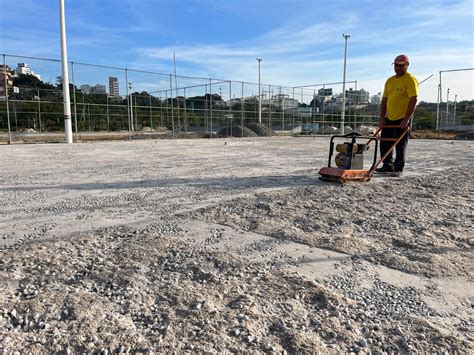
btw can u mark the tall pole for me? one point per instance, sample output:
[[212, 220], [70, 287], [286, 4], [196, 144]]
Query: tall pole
[[6, 98], [343, 108], [66, 98], [259, 93]]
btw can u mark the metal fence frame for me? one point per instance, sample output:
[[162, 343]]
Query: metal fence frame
[[175, 107], [440, 94]]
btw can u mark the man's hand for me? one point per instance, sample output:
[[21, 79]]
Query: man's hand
[[405, 122]]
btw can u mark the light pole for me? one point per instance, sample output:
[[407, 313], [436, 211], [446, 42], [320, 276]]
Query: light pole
[[66, 98], [343, 108], [259, 93]]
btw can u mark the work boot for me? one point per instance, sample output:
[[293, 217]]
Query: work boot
[[384, 169]]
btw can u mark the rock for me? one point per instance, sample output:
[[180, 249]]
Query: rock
[[362, 342]]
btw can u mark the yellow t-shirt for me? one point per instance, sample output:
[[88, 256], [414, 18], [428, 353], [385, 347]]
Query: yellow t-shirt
[[398, 92]]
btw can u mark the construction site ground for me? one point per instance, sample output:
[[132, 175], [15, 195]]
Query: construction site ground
[[233, 246]]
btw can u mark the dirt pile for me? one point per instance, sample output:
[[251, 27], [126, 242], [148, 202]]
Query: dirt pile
[[465, 135], [261, 130], [236, 131]]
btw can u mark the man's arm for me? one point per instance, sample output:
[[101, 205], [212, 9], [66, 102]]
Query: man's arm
[[410, 109], [383, 111]]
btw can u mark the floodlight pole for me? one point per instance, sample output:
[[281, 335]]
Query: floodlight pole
[[259, 93], [6, 99], [66, 98], [343, 108]]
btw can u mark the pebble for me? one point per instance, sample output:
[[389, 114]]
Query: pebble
[[362, 342]]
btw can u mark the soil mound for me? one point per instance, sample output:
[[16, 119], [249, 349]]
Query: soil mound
[[260, 130], [366, 130], [465, 135], [236, 131]]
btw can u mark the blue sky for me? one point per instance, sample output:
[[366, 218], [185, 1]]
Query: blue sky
[[299, 41]]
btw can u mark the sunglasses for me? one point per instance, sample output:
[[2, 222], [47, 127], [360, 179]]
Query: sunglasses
[[400, 65]]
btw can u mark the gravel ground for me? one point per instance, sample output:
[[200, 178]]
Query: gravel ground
[[232, 245]]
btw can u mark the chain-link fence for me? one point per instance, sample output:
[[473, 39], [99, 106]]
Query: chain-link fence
[[132, 102], [455, 95]]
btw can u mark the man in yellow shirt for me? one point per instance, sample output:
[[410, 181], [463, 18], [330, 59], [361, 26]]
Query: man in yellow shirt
[[397, 107]]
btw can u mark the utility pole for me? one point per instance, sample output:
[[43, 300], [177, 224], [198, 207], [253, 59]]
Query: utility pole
[[6, 99], [343, 108], [66, 98]]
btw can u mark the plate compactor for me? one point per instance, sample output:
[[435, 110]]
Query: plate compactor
[[349, 159]]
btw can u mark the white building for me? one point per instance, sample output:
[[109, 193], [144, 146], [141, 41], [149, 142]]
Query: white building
[[281, 101], [85, 89], [24, 69], [98, 89], [357, 97], [114, 89]]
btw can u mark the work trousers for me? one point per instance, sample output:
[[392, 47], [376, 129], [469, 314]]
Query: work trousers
[[400, 148]]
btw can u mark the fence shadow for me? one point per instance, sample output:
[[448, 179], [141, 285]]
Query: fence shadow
[[232, 183]]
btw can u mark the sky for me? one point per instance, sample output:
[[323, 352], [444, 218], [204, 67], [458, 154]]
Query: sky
[[300, 41]]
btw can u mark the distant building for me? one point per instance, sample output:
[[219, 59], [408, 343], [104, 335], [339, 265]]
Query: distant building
[[357, 97], [376, 99], [326, 92], [114, 89], [23, 68], [85, 89], [281, 101], [5, 73], [98, 89]]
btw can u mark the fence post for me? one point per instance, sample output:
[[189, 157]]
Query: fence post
[[172, 109], [128, 106], [210, 99], [269, 107], [151, 114], [439, 101], [185, 118], [297, 106], [242, 110], [74, 99]]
